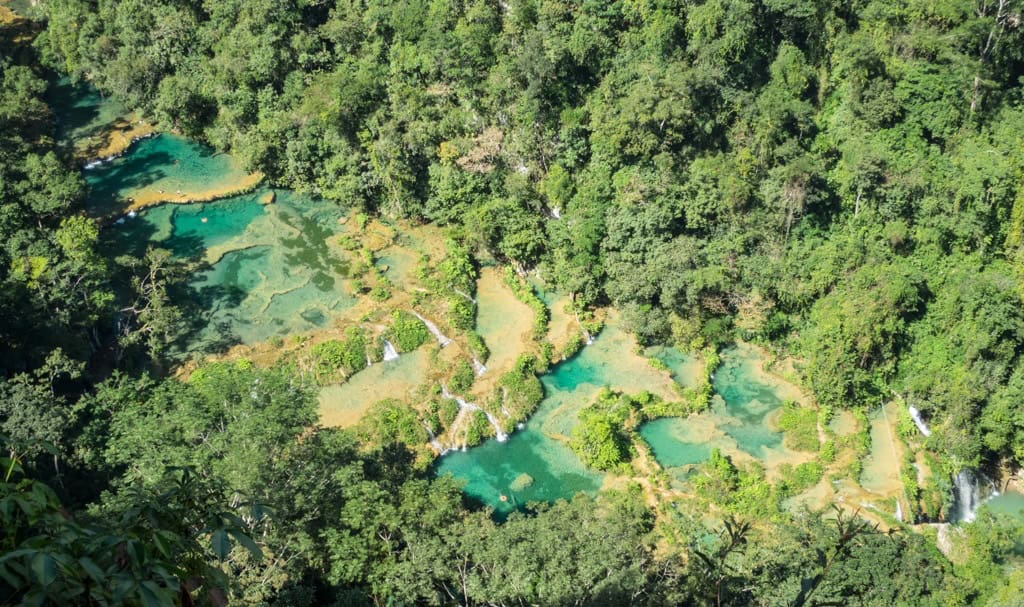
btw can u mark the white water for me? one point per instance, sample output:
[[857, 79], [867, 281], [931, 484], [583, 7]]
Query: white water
[[918, 421], [899, 511], [478, 367], [464, 294], [441, 339], [498, 433], [390, 353], [369, 363], [970, 491], [436, 444], [467, 406]]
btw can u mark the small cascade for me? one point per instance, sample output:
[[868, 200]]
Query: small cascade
[[478, 367], [369, 361], [899, 511], [92, 164], [390, 353], [918, 420], [970, 491], [436, 444], [441, 339], [467, 406], [498, 433], [464, 294], [587, 337], [556, 213]]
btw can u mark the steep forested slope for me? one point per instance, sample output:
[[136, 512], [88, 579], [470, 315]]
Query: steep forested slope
[[840, 178], [841, 181]]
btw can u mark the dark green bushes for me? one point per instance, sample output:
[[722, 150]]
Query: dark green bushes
[[344, 357], [406, 331]]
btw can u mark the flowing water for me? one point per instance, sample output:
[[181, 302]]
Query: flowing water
[[496, 470]]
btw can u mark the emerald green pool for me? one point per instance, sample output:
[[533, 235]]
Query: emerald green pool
[[1009, 503], [82, 113], [737, 423], [490, 470], [157, 166], [261, 270]]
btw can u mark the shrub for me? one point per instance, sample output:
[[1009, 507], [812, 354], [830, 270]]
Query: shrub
[[599, 442], [447, 411], [800, 426], [407, 332], [392, 421], [461, 313], [801, 477], [462, 377], [345, 356], [478, 428], [478, 347]]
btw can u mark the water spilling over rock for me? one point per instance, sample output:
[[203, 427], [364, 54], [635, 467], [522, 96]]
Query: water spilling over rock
[[970, 490], [390, 353], [441, 339], [918, 420]]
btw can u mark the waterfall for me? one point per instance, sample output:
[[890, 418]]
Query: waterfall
[[467, 406], [478, 367], [369, 361], [970, 491], [918, 421], [464, 294], [441, 339], [899, 511], [556, 213], [498, 433], [390, 353], [436, 444]]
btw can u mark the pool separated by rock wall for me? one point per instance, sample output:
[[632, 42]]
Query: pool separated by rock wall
[[264, 270], [164, 168], [535, 463]]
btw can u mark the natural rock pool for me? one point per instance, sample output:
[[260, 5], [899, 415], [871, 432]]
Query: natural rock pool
[[268, 265]]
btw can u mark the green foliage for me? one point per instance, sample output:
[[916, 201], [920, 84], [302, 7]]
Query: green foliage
[[599, 441], [143, 552], [392, 421], [800, 477], [461, 313], [478, 428], [524, 293], [800, 426], [344, 357], [572, 346], [406, 331], [519, 390], [461, 378], [477, 346]]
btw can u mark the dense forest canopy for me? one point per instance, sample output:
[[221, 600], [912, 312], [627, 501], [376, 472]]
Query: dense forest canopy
[[842, 179], [841, 182]]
